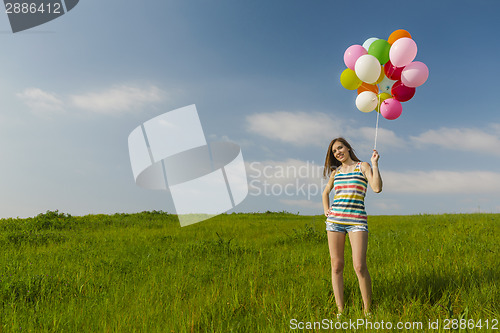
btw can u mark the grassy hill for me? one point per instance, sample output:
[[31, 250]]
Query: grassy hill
[[266, 272]]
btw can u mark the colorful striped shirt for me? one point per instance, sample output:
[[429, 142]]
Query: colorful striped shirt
[[348, 205]]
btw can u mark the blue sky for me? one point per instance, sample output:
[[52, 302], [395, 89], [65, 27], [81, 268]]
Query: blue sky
[[263, 74]]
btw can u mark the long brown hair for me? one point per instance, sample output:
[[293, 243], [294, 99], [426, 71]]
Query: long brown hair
[[331, 163]]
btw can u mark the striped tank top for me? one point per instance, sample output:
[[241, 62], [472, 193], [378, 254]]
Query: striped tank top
[[348, 205]]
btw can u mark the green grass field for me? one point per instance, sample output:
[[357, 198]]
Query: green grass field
[[266, 272]]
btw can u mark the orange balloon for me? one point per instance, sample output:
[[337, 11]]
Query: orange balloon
[[397, 35], [367, 87]]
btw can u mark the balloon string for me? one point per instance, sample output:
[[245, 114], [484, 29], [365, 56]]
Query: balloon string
[[376, 126]]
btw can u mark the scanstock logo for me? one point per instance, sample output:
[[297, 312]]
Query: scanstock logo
[[25, 15], [205, 179]]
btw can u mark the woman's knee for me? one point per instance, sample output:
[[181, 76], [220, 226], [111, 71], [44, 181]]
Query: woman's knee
[[337, 266], [360, 268]]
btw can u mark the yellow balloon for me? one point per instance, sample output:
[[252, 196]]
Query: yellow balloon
[[382, 97], [349, 79], [381, 77]]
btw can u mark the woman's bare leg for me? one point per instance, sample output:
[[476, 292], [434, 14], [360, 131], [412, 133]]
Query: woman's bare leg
[[359, 245], [336, 243]]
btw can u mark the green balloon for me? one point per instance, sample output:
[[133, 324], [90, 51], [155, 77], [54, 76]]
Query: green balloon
[[380, 50]]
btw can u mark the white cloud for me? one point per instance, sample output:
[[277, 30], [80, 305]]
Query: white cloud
[[306, 176], [288, 180], [495, 127], [385, 137], [310, 204], [317, 129], [442, 182], [286, 172], [462, 139], [387, 205], [299, 128], [117, 99], [297, 183], [114, 100], [41, 101]]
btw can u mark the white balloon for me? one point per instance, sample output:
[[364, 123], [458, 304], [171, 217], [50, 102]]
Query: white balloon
[[369, 42], [385, 85], [367, 68], [366, 101]]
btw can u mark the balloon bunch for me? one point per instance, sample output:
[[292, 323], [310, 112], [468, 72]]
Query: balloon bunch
[[384, 73]]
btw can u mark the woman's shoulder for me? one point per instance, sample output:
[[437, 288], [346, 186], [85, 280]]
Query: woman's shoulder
[[363, 167], [364, 164], [335, 171]]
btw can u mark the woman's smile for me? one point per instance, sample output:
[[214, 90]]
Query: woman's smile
[[340, 152]]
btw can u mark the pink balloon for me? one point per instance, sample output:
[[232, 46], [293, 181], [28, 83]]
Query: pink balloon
[[403, 51], [415, 74], [391, 109], [401, 92], [352, 54]]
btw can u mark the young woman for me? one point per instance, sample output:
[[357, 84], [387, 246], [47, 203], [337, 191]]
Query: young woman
[[349, 177]]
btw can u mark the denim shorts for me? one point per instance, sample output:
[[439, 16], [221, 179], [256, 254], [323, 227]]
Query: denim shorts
[[345, 228]]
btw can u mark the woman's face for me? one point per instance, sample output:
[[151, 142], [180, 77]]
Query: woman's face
[[340, 151]]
